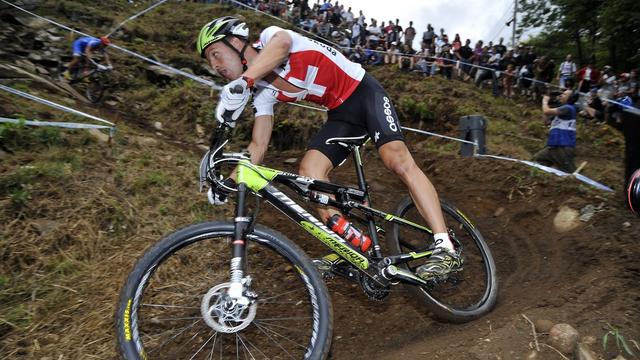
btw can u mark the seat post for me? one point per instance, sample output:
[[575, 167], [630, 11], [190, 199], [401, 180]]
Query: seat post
[[362, 183]]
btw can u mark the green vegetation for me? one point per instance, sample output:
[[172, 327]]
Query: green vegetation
[[605, 30], [621, 343]]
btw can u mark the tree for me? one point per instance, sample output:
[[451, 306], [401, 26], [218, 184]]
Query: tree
[[589, 27]]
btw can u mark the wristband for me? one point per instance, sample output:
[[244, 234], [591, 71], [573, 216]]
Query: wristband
[[250, 81]]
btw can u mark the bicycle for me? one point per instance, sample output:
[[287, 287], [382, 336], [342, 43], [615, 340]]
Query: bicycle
[[184, 299], [89, 76]]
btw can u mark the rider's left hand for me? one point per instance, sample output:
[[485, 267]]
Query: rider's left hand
[[233, 98]]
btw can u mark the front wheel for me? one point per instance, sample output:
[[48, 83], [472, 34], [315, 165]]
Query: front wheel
[[174, 304], [466, 294], [95, 87]]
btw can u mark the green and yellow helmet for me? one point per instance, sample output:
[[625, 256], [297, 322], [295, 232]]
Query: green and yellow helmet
[[218, 29]]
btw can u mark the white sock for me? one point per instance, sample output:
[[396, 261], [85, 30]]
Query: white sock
[[443, 241]]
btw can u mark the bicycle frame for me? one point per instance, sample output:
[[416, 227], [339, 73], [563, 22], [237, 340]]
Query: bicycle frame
[[259, 179]]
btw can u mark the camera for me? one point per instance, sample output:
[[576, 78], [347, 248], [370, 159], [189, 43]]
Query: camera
[[554, 97]]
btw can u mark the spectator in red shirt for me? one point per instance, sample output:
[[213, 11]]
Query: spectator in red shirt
[[588, 76]]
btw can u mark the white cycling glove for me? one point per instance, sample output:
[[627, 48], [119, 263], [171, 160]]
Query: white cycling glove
[[102, 67], [233, 98]]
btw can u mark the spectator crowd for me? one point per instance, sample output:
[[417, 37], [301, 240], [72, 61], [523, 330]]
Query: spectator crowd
[[600, 94], [517, 71]]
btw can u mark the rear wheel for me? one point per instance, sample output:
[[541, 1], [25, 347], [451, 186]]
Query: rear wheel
[[174, 304], [465, 295]]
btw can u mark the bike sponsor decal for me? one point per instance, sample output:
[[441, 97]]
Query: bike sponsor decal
[[387, 111], [127, 321], [415, 255], [320, 231], [329, 49], [316, 311], [466, 218], [390, 217], [344, 250]]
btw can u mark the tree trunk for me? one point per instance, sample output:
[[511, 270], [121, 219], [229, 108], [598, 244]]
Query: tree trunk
[[579, 49], [613, 59]]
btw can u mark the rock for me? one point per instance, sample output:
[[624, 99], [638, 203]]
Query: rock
[[589, 340], [35, 57], [42, 70], [587, 212], [111, 103], [32, 22], [157, 125], [533, 355], [157, 74], [543, 326], [142, 140], [564, 338], [199, 130], [626, 224], [583, 352], [498, 212], [187, 70], [99, 135], [619, 357], [566, 220], [26, 65], [3, 154], [291, 160]]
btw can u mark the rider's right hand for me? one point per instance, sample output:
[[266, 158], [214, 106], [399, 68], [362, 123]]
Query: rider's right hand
[[233, 98]]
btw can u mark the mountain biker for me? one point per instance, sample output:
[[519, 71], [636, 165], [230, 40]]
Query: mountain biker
[[85, 46], [284, 66]]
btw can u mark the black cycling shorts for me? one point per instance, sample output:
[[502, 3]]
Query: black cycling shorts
[[368, 111]]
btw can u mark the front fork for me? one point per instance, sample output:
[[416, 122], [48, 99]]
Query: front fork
[[239, 247]]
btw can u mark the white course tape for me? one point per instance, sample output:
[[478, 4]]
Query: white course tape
[[552, 171], [53, 105], [54, 124]]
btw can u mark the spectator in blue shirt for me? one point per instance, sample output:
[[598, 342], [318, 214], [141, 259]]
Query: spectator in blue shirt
[[560, 151]]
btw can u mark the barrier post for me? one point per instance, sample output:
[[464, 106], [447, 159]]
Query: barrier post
[[472, 128]]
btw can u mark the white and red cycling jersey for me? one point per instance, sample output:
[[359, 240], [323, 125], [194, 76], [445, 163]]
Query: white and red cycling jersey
[[325, 76]]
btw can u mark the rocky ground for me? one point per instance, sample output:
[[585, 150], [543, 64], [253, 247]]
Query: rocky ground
[[76, 212]]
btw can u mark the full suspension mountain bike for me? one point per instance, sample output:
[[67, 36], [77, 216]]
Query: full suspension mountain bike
[[239, 290]]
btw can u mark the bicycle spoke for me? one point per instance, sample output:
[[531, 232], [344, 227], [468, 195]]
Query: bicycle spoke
[[276, 296], [175, 336], [266, 327], [287, 318], [213, 346], [252, 345], [202, 347], [274, 340], [244, 347], [171, 306]]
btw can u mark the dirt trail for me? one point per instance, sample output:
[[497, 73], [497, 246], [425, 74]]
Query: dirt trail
[[575, 277]]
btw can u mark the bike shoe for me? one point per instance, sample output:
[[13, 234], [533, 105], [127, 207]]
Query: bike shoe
[[440, 264]]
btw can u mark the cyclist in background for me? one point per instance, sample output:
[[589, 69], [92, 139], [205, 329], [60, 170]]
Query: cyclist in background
[[85, 46], [284, 66]]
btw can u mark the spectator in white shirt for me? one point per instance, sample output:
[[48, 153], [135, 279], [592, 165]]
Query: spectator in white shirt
[[566, 71]]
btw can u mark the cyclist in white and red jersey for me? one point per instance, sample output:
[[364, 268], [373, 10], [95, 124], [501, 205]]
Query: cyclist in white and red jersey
[[284, 66]]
